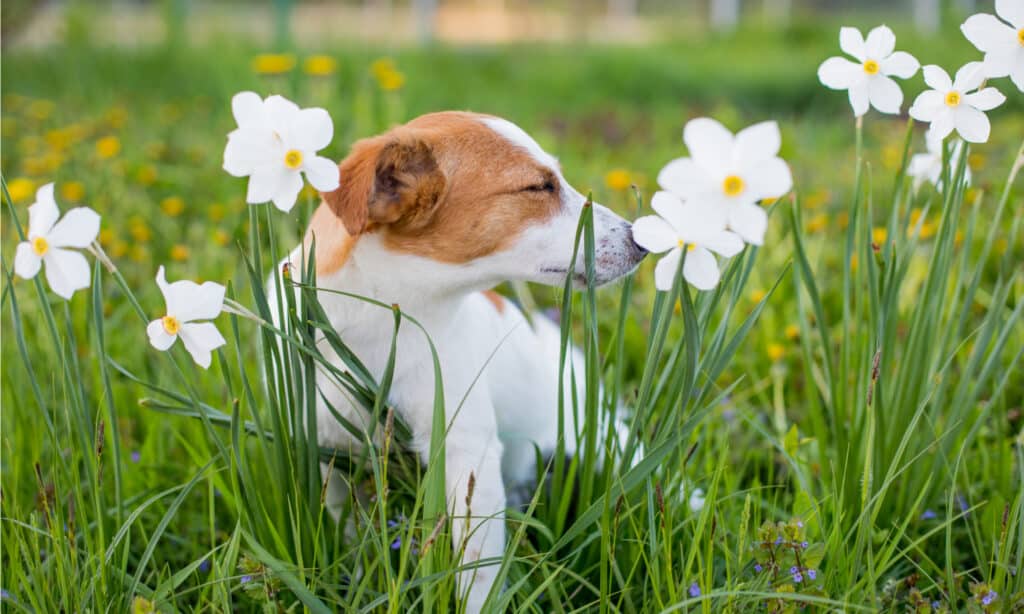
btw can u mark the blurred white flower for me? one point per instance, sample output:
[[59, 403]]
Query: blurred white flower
[[186, 303], [1002, 43], [726, 175], [928, 166], [696, 500], [955, 104], [48, 242], [678, 227], [274, 144], [868, 80]]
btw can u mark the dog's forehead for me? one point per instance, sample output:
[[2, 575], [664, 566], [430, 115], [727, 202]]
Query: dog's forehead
[[518, 137]]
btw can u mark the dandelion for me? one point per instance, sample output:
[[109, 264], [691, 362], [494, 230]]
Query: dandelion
[[173, 206], [694, 590], [53, 242], [273, 63], [188, 302], [21, 189], [319, 65], [678, 227], [391, 81], [792, 332], [726, 175], [776, 352], [1002, 42], [878, 235], [868, 81], [275, 143], [928, 166], [954, 104], [179, 252], [696, 501], [618, 179], [108, 147]]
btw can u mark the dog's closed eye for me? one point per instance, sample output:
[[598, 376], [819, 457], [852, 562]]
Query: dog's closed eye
[[548, 185]]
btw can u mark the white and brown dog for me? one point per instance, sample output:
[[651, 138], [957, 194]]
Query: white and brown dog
[[429, 216]]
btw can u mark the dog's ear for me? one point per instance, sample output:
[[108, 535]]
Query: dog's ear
[[386, 180]]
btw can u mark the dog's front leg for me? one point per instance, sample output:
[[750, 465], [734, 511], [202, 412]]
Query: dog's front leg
[[476, 497]]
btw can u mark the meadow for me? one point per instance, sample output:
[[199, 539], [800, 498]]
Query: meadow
[[848, 400]]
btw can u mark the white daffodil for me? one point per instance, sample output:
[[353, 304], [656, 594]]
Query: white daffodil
[[869, 80], [50, 242], [1002, 43], [726, 175], [928, 166], [275, 143], [955, 104], [678, 227], [186, 303]]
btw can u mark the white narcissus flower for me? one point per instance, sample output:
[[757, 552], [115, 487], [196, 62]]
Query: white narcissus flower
[[51, 242], [188, 302], [1002, 43], [275, 143], [727, 175], [678, 227], [868, 81], [953, 104], [928, 166]]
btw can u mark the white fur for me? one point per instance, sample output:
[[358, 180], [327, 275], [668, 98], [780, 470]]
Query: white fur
[[500, 374]]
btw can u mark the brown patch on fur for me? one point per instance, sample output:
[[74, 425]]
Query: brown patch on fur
[[496, 299], [333, 241], [444, 186]]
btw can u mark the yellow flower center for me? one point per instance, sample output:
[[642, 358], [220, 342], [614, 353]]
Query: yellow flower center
[[733, 185], [952, 99], [293, 159], [684, 245], [171, 325], [1020, 36], [40, 246], [871, 67]]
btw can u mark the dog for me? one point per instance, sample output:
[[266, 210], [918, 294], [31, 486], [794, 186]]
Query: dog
[[430, 216]]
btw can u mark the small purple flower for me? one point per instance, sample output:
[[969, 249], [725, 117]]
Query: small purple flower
[[694, 590], [805, 545], [936, 605], [794, 570], [798, 578], [929, 515], [4, 594], [204, 566], [800, 523], [136, 456], [962, 503], [778, 540], [758, 568], [812, 574], [395, 545], [246, 579], [392, 524], [989, 598]]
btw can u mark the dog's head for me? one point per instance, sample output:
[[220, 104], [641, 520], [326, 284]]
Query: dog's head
[[474, 194]]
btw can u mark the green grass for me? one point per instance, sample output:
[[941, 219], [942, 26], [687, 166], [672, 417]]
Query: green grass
[[859, 393]]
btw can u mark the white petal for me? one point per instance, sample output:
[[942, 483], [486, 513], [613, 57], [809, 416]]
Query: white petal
[[880, 43], [839, 73], [43, 214], [851, 41], [78, 228], [725, 243], [769, 179], [986, 99], [280, 111], [1017, 76], [158, 336], [942, 124], [188, 301], [972, 124], [986, 32], [665, 270], [701, 220], [200, 340], [859, 98], [885, 95], [756, 143], [66, 271], [927, 106], [250, 149], [710, 144], [322, 173], [654, 234], [969, 77], [1012, 11], [701, 269], [937, 78], [920, 167], [1001, 62], [266, 181], [26, 262], [247, 107], [900, 64], [670, 208], [288, 191], [750, 222], [311, 130], [682, 177]]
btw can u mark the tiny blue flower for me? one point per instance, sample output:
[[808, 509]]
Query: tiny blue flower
[[989, 598], [794, 569], [4, 594], [936, 605], [812, 574], [800, 523], [395, 545], [758, 568], [798, 578], [136, 456], [805, 545], [962, 503], [204, 566], [778, 540], [392, 524], [246, 579], [928, 515], [694, 590]]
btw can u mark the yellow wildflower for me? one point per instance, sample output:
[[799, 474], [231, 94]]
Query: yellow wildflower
[[58, 139], [140, 231], [146, 175], [72, 191], [757, 295], [843, 220], [107, 237], [976, 161], [381, 66], [618, 179], [878, 235], [958, 238], [817, 198], [118, 248], [776, 351], [792, 332], [40, 109], [854, 261], [817, 223], [273, 63], [319, 65], [21, 189], [179, 252], [391, 81], [221, 238], [108, 146], [173, 206], [137, 253]]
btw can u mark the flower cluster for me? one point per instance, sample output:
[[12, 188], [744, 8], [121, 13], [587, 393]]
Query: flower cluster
[[709, 203]]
